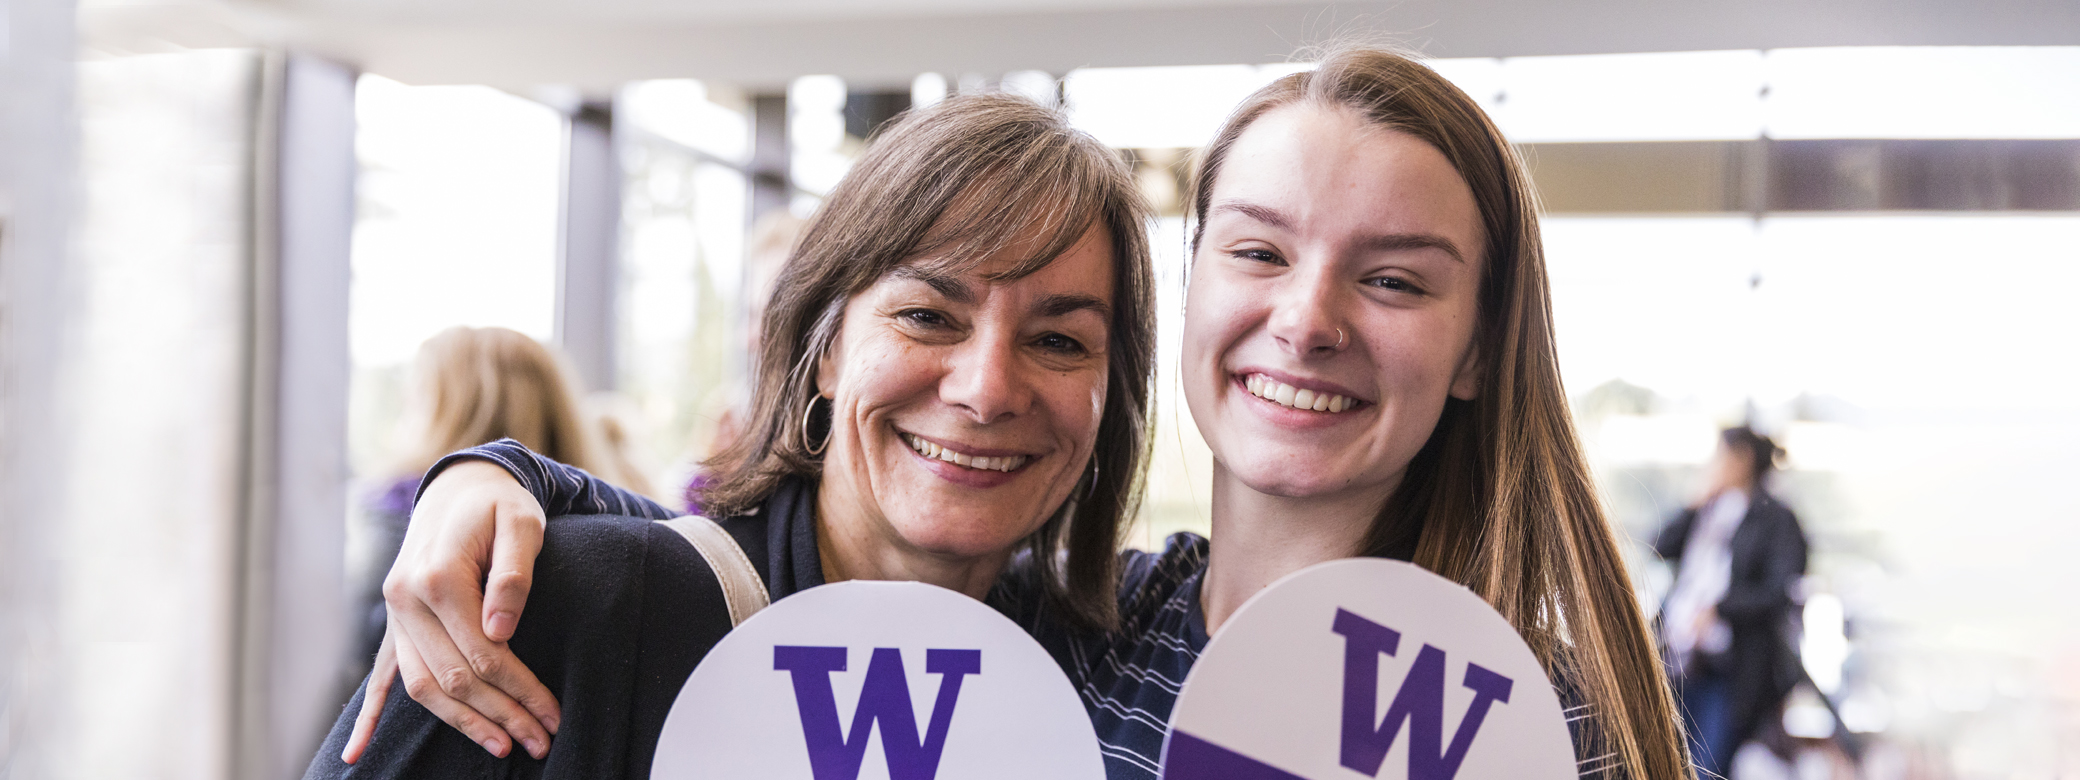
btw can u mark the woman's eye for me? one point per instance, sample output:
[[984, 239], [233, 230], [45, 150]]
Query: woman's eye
[[1057, 342], [923, 318]]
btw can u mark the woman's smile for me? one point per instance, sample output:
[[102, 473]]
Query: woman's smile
[[969, 466]]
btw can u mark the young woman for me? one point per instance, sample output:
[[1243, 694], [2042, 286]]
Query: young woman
[[956, 369], [1368, 351]]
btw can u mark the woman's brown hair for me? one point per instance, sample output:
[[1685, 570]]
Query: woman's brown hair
[[948, 186], [480, 385], [1500, 498]]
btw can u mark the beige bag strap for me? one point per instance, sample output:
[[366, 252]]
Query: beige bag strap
[[741, 587]]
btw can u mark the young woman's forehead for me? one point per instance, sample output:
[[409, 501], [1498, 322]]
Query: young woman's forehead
[[1301, 169]]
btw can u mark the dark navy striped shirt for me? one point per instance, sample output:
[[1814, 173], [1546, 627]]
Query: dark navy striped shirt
[[1128, 678]]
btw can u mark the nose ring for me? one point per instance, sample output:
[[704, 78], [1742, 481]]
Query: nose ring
[[1339, 338]]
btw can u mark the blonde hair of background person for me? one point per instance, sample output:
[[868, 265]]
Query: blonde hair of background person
[[1499, 498], [476, 385]]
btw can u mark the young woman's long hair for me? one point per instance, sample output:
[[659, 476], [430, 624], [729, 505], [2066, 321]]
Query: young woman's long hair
[[1500, 497]]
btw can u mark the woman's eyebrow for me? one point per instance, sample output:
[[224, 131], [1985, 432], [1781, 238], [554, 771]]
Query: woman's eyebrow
[[948, 286], [1060, 304]]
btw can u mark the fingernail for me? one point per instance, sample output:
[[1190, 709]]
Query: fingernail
[[495, 747], [552, 724], [502, 623], [534, 748]]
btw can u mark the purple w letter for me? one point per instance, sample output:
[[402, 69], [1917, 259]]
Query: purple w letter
[[1419, 703], [885, 699]]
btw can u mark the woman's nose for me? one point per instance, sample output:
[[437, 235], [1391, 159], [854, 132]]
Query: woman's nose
[[1304, 316], [983, 379]]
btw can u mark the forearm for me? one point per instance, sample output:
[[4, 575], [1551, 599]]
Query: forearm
[[560, 489]]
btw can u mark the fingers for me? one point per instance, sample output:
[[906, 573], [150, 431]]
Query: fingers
[[372, 701], [514, 545], [420, 684], [441, 657]]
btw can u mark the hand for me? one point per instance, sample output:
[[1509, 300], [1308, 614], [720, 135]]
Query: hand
[[447, 633]]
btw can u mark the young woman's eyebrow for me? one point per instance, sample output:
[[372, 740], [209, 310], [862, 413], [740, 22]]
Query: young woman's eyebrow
[[1402, 242], [1383, 242], [1258, 212], [949, 287]]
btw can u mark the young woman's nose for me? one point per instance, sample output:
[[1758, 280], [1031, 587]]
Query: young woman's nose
[[983, 378], [1304, 316]]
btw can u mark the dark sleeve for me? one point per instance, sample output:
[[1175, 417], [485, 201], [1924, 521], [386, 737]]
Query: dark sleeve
[[621, 612], [1669, 543], [1768, 596], [561, 489], [1595, 756]]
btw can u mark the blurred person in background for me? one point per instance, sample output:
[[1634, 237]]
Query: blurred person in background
[[470, 386], [773, 240], [616, 419], [1737, 551]]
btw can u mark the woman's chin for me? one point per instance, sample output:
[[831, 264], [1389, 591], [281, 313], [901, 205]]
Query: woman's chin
[[956, 537]]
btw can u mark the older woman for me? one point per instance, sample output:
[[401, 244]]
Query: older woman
[[955, 369]]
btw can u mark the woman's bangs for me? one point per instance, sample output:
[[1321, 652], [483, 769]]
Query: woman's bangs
[[1021, 214]]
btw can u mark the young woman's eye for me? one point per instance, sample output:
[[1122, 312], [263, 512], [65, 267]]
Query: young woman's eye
[[1261, 256], [1394, 283], [1056, 342]]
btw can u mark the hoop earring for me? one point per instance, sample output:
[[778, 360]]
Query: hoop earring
[[1092, 488], [1339, 338], [807, 412]]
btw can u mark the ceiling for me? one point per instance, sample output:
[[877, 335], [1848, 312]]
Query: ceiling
[[592, 45]]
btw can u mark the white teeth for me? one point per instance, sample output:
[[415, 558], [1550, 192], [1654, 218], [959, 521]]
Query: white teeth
[[1287, 395], [930, 450]]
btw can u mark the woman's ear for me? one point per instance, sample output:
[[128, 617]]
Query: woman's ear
[[1466, 382], [827, 371]]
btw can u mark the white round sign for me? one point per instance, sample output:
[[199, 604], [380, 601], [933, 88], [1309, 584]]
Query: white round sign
[[877, 681], [1367, 668]]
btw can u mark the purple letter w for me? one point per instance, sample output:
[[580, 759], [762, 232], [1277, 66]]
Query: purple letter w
[[1420, 703], [885, 698]]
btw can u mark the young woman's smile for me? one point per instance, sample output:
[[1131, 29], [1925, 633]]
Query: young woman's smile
[[1332, 303]]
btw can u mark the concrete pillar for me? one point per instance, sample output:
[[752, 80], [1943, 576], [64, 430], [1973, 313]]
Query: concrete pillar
[[589, 257], [293, 627]]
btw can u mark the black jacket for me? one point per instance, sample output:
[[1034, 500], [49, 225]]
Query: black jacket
[[1769, 555], [621, 611]]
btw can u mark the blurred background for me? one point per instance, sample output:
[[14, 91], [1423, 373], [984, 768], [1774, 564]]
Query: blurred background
[[227, 227]]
